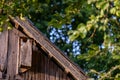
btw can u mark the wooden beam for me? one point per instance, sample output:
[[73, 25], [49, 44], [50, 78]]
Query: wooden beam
[[32, 32]]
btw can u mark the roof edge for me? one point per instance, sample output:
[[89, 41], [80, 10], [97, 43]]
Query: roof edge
[[34, 33]]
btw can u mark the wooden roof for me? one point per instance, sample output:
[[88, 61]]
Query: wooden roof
[[32, 32]]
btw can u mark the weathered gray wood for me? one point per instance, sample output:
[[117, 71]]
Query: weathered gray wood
[[0, 75], [13, 54], [3, 49], [23, 49], [26, 52], [32, 32]]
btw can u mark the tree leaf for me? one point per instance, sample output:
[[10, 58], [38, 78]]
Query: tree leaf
[[113, 10]]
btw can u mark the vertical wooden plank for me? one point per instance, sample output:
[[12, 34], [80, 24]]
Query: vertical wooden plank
[[52, 71], [36, 66], [3, 49], [39, 53], [42, 67], [47, 68], [13, 53], [57, 72], [0, 75], [57, 75], [61, 74], [39, 66], [36, 63], [26, 52]]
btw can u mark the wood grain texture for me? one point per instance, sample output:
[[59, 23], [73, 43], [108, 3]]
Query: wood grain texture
[[25, 52], [44, 68], [3, 50], [13, 55]]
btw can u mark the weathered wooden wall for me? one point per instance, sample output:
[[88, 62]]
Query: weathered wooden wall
[[20, 59], [44, 68]]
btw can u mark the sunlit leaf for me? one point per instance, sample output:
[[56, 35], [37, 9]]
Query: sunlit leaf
[[82, 30], [73, 35], [105, 6], [118, 13], [89, 25]]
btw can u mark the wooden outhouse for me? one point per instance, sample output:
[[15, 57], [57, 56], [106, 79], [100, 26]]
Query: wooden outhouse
[[26, 54]]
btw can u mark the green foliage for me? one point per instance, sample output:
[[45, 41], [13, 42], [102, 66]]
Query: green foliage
[[95, 24], [33, 9], [80, 31]]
